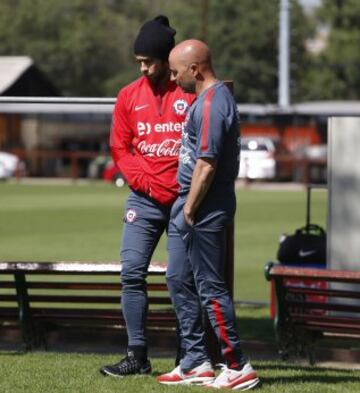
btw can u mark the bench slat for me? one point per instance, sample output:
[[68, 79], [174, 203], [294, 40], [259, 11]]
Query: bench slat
[[53, 313], [323, 292], [326, 319], [315, 274], [76, 267], [8, 298], [7, 284], [96, 299], [88, 286], [327, 328], [324, 306]]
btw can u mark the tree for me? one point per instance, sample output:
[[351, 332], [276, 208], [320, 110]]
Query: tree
[[244, 38], [335, 74], [86, 46], [77, 43]]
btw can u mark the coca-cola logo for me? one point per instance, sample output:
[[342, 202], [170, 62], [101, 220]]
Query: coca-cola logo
[[167, 148]]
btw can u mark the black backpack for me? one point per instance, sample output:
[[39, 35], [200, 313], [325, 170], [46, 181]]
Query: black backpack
[[307, 246]]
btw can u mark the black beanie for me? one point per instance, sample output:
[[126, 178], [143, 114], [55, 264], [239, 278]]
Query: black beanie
[[155, 39]]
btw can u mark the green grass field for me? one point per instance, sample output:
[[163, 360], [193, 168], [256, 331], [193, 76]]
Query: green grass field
[[83, 222], [75, 373]]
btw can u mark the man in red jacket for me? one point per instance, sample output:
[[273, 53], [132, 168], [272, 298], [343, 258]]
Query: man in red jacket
[[145, 139]]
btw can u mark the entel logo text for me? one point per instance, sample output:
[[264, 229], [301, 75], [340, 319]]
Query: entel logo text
[[146, 129]]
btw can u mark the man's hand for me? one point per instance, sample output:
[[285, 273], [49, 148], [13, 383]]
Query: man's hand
[[202, 177], [162, 194], [189, 215]]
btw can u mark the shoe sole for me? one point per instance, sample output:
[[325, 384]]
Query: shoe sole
[[189, 381], [247, 385], [243, 386], [106, 373]]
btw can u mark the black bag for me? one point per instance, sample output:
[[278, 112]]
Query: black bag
[[307, 246]]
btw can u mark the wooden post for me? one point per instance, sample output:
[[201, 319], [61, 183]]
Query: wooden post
[[25, 321], [74, 159]]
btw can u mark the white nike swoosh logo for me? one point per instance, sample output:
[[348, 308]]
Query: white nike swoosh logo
[[137, 108], [303, 253]]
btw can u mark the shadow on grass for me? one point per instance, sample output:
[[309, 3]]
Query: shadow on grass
[[12, 353], [301, 379], [286, 374], [306, 369]]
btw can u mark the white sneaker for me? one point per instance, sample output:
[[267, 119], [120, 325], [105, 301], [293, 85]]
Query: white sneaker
[[198, 375], [244, 379]]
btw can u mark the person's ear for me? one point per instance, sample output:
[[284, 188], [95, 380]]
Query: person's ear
[[194, 69]]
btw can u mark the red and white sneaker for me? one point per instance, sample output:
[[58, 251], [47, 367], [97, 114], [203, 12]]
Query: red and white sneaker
[[244, 379], [199, 375]]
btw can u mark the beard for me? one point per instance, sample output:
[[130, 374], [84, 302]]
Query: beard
[[187, 87], [159, 77]]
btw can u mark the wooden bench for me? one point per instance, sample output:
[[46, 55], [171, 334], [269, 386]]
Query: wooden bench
[[38, 297], [317, 309]]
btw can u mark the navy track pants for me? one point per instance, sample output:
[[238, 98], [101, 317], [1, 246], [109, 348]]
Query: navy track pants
[[145, 222], [195, 279]]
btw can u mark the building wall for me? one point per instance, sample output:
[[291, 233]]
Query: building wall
[[51, 132]]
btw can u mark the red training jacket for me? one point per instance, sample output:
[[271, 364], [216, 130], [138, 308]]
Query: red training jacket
[[146, 136]]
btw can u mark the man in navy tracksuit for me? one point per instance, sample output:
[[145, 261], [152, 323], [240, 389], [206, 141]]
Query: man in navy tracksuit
[[208, 167]]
